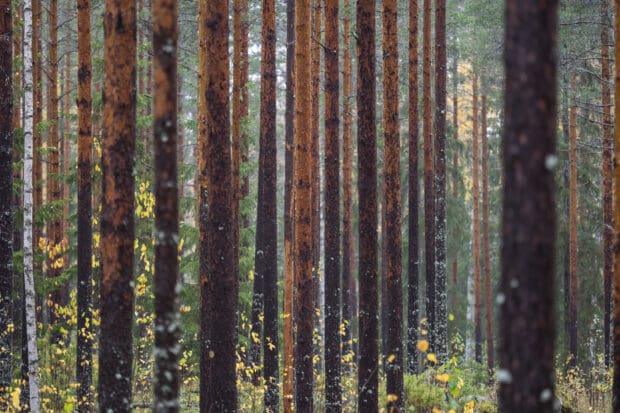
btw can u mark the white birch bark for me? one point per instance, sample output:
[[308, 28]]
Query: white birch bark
[[31, 326]]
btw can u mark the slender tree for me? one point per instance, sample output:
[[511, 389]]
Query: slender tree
[[528, 213], [392, 214], [476, 224], [367, 190], [266, 223], [303, 209], [455, 157], [288, 335], [429, 178], [413, 192], [218, 391], [616, 194], [485, 235], [333, 393], [84, 369], [349, 312], [117, 214], [38, 114], [66, 127], [29, 291], [607, 190], [441, 286], [167, 320], [572, 220], [6, 198]]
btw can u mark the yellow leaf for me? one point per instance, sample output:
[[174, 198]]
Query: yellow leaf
[[423, 346], [391, 398], [443, 377], [451, 317], [391, 358], [432, 358]]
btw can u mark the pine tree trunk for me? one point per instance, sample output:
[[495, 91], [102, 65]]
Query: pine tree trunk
[[303, 252], [485, 236], [66, 133], [6, 199], [455, 160], [29, 291], [476, 231], [333, 394], [218, 392], [413, 306], [429, 177], [367, 190], [607, 190], [616, 194], [84, 369], [392, 213], [37, 117], [288, 334], [528, 212], [349, 314], [572, 261], [117, 216], [441, 285], [167, 318]]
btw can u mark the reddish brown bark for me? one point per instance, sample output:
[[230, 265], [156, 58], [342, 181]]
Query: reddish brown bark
[[167, 320], [528, 210], [333, 394], [476, 224], [218, 391], [616, 195], [413, 306], [288, 338], [84, 214], [392, 214], [429, 176], [37, 78], [367, 190], [66, 133], [303, 252], [117, 216], [485, 236]]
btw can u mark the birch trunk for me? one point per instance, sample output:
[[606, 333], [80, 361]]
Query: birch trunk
[[31, 322]]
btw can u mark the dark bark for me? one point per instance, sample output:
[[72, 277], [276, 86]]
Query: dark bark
[[117, 216], [303, 253], [429, 177], [84, 215], [218, 390], [367, 190], [167, 319], [572, 225], [333, 393], [476, 225], [392, 213], [413, 266], [616, 194], [441, 285], [528, 217], [6, 198], [266, 221]]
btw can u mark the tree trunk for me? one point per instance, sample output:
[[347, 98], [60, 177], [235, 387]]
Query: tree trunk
[[218, 392], [303, 252], [441, 318], [476, 231], [84, 369], [485, 236], [528, 213], [607, 190], [117, 216], [29, 291], [333, 394], [167, 319], [349, 314], [37, 116], [6, 199], [429, 178], [392, 213], [288, 334], [367, 189], [572, 238], [54, 192], [616, 193], [413, 274], [455, 159], [66, 133], [266, 222]]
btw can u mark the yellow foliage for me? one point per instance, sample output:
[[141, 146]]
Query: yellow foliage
[[423, 346], [432, 358]]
